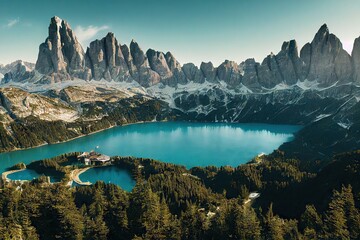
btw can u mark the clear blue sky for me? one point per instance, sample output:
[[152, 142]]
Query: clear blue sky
[[192, 30]]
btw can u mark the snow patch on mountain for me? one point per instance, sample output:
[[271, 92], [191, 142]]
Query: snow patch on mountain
[[133, 87], [321, 116], [14, 66], [345, 125], [306, 85], [168, 94]]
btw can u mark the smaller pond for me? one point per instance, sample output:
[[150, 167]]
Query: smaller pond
[[29, 175], [26, 174], [109, 174]]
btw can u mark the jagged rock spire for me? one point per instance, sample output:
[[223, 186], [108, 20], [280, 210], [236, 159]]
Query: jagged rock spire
[[61, 53], [327, 61], [106, 60]]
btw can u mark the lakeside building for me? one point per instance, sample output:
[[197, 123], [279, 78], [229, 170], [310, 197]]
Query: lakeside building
[[254, 195], [94, 158]]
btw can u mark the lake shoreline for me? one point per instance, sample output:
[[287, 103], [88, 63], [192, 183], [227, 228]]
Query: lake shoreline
[[75, 176], [140, 122], [80, 136], [236, 143], [4, 175]]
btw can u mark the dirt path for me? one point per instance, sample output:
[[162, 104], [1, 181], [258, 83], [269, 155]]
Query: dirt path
[[74, 176]]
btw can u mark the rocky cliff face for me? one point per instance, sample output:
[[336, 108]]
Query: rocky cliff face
[[106, 60], [144, 75], [193, 73], [356, 60], [250, 73], [21, 104], [229, 72], [290, 64], [17, 71], [326, 60], [61, 56]]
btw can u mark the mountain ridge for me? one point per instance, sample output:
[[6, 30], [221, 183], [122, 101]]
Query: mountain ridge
[[61, 58]]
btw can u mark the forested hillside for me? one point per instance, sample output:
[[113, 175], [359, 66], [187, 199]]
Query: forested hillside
[[171, 202]]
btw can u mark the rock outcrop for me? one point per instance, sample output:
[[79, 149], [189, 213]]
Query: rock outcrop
[[61, 55], [269, 74], [250, 73], [229, 72], [209, 72], [146, 76], [106, 60], [193, 73], [176, 69], [326, 60], [290, 64], [17, 71], [22, 104], [158, 63], [356, 60]]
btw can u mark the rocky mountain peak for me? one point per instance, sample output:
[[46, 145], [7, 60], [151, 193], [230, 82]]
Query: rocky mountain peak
[[158, 63], [193, 73], [229, 72], [290, 47], [110, 35], [208, 71], [289, 62], [321, 34], [172, 62], [106, 60], [137, 53], [61, 55], [323, 60], [327, 61], [54, 27], [72, 50], [56, 19], [17, 71]]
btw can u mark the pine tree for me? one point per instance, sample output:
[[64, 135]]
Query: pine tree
[[218, 227], [247, 224], [335, 219], [29, 231], [116, 215], [310, 219], [96, 229], [193, 224], [351, 213], [274, 226], [149, 217], [291, 231]]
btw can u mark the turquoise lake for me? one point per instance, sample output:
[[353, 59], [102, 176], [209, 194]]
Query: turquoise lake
[[188, 144], [109, 174]]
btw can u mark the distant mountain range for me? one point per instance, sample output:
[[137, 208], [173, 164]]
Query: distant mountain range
[[61, 57], [318, 88]]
